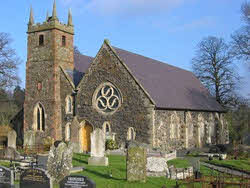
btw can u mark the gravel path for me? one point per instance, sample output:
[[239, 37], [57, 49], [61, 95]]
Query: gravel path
[[226, 170]]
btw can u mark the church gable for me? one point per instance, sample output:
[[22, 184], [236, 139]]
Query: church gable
[[109, 93], [108, 67]]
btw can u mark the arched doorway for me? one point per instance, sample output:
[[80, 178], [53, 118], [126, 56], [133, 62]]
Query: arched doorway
[[85, 138]]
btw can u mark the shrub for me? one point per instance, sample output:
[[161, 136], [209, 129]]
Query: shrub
[[47, 143], [111, 144]]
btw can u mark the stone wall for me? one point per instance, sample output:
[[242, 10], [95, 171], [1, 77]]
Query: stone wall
[[135, 109], [43, 77], [66, 90], [196, 129]]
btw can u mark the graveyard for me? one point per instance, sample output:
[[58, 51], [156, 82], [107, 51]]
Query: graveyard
[[123, 117], [137, 165]]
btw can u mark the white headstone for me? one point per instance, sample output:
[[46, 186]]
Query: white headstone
[[98, 149], [97, 143], [29, 138], [12, 139]]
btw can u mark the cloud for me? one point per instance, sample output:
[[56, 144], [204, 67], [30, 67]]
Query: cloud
[[124, 7], [198, 23]]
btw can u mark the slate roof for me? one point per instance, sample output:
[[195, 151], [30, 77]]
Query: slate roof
[[170, 87]]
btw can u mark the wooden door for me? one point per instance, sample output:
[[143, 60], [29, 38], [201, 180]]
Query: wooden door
[[87, 129]]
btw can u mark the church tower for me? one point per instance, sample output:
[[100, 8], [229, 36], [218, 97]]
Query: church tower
[[50, 46]]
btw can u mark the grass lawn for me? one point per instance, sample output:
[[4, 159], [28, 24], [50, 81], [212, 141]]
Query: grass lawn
[[184, 163], [5, 164], [179, 163], [235, 164], [117, 166]]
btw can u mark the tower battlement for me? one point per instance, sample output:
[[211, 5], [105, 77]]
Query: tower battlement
[[49, 25], [51, 22]]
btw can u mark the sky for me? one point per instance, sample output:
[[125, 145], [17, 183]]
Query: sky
[[166, 30]]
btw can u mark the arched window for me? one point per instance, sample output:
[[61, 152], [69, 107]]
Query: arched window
[[67, 132], [107, 129], [69, 105], [41, 40], [131, 134], [39, 118]]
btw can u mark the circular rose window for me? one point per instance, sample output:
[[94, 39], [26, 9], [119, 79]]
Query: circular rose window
[[107, 98]]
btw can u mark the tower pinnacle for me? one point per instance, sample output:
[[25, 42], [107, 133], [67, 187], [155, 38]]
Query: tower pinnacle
[[54, 16], [47, 16], [31, 20], [70, 23]]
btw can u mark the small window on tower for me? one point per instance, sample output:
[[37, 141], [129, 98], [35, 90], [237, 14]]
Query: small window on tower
[[41, 40], [63, 41], [39, 86]]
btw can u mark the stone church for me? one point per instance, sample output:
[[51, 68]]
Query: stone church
[[127, 95]]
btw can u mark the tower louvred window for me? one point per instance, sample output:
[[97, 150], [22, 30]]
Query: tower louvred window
[[41, 40], [63, 41]]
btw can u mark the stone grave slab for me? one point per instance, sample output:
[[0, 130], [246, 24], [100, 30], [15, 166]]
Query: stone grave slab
[[77, 182], [6, 177], [34, 178]]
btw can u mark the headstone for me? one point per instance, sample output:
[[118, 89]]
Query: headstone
[[156, 166], [42, 161], [77, 182], [136, 162], [6, 177], [29, 138], [12, 139], [34, 178], [59, 161], [98, 149], [11, 153]]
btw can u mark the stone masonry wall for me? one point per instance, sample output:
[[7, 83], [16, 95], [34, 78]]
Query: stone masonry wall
[[42, 68], [136, 109], [189, 125], [66, 90]]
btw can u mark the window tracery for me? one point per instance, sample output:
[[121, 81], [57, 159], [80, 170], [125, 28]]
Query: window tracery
[[107, 98]]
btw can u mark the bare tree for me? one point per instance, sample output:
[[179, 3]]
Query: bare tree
[[241, 37], [245, 11], [18, 96], [213, 65], [8, 62]]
